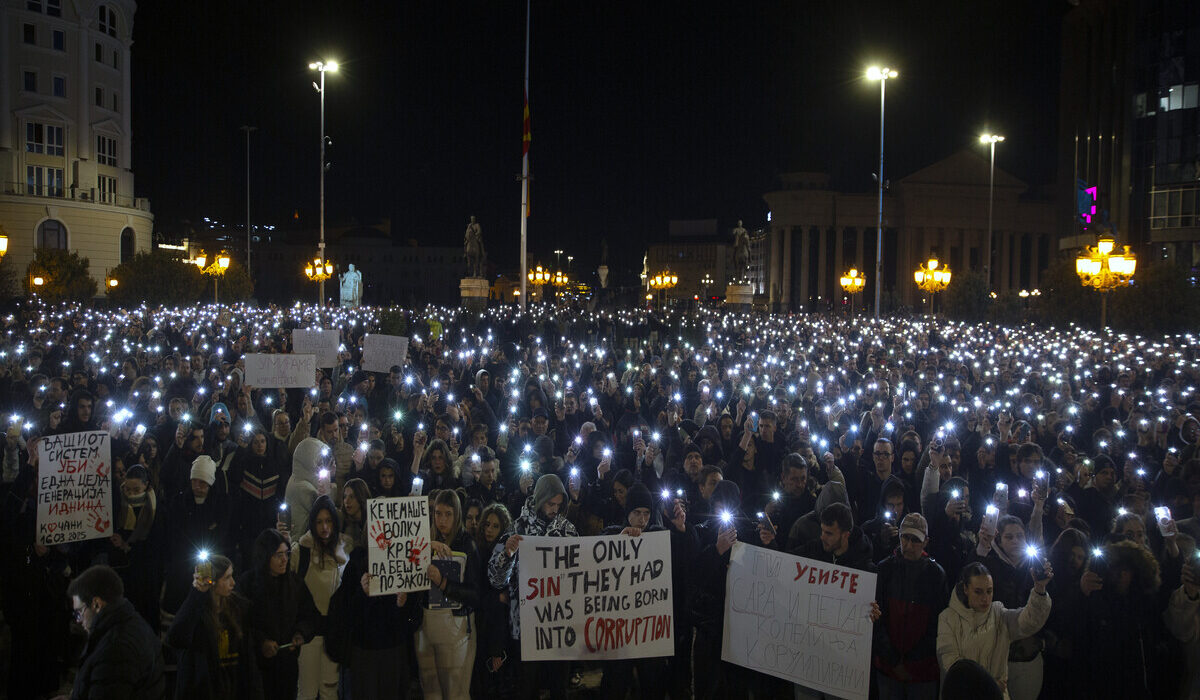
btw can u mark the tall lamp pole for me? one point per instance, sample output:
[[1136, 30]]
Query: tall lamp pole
[[323, 67], [882, 75], [991, 140], [248, 129]]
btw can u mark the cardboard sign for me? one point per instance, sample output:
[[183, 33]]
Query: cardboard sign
[[313, 341], [596, 598], [382, 352], [798, 619], [398, 551], [74, 488], [281, 371]]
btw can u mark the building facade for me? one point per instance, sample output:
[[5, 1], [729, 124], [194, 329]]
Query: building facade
[[66, 132], [1129, 124], [816, 235]]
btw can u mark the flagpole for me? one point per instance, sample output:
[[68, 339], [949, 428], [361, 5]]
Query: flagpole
[[525, 169]]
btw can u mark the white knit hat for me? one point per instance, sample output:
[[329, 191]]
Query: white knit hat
[[204, 469]]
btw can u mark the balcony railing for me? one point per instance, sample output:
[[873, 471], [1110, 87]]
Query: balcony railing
[[90, 195]]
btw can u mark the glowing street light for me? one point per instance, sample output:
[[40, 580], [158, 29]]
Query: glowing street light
[[932, 278], [882, 74], [852, 283], [216, 270], [991, 140], [1101, 269]]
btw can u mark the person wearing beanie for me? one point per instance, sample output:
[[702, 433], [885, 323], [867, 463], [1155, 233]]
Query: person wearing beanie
[[807, 527], [911, 593], [196, 518], [542, 515]]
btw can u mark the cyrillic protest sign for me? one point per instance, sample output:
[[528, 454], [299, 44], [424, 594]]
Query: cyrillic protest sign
[[398, 544], [74, 487], [605, 597], [382, 352], [281, 371], [799, 619], [314, 341]]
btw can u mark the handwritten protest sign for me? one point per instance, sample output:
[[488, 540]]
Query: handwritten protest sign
[[314, 341], [281, 371], [381, 352], [74, 487], [799, 619], [398, 544], [596, 598]]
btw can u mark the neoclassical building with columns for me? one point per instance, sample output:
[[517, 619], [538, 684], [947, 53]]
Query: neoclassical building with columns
[[815, 234], [66, 180]]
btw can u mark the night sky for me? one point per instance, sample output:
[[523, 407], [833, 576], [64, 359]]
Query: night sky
[[641, 112]]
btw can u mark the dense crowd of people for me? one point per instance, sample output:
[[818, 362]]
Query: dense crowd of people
[[1029, 498]]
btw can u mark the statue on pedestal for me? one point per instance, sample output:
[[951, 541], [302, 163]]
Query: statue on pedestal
[[741, 251], [351, 287], [473, 244]]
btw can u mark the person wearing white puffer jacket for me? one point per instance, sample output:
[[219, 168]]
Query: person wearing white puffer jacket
[[977, 628], [312, 472]]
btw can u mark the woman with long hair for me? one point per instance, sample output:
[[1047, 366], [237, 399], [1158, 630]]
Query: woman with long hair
[[319, 559], [445, 643], [976, 627], [354, 514], [437, 467], [1068, 556], [211, 632], [283, 617]]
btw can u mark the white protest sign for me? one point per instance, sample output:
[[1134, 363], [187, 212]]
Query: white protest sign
[[74, 487], [605, 597], [398, 544], [381, 352], [277, 371], [314, 341], [798, 619]]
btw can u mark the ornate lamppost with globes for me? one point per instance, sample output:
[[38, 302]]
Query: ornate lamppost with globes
[[1101, 269], [932, 277], [852, 283]]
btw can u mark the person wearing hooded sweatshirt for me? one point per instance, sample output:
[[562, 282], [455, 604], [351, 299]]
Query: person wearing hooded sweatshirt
[[656, 676], [975, 627], [542, 515], [282, 615], [197, 519], [883, 530], [716, 536], [807, 527], [911, 592], [319, 560], [312, 466]]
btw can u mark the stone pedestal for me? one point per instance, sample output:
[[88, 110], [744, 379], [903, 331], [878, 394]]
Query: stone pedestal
[[739, 297], [474, 291]]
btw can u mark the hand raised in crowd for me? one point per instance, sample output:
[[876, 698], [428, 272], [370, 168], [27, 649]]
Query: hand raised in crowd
[[1090, 582], [511, 545], [726, 539]]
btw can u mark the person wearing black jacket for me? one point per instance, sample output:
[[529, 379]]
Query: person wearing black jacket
[[283, 616], [378, 631], [123, 657], [911, 593], [716, 535], [793, 500], [841, 541]]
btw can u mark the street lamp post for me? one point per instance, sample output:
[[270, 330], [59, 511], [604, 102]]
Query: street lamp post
[[853, 283], [538, 277], [323, 67], [662, 282], [1101, 269], [991, 140], [933, 278], [882, 75], [216, 270], [248, 129]]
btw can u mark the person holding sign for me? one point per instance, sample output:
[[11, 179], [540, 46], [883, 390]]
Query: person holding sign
[[977, 628], [715, 678], [542, 515], [445, 642]]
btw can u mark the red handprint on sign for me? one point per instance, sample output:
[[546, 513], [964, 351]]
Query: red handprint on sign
[[377, 534], [101, 470], [414, 552], [99, 524]]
